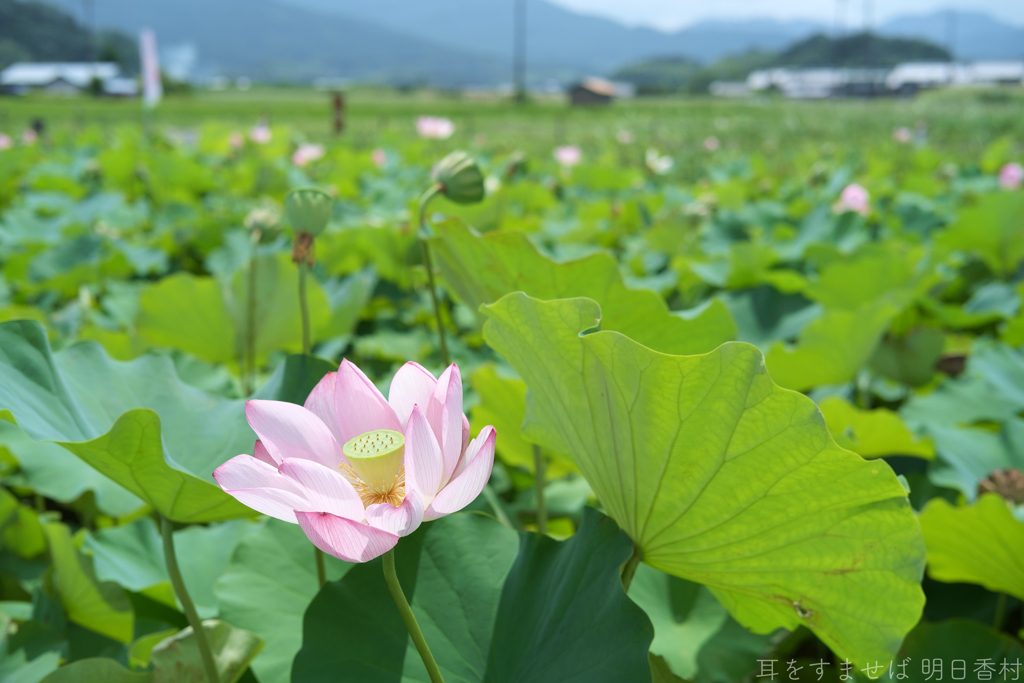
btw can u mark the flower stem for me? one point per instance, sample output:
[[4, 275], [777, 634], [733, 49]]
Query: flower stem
[[321, 568], [167, 530], [250, 323], [409, 618], [539, 482], [495, 503], [307, 346], [629, 568], [423, 235], [997, 622]]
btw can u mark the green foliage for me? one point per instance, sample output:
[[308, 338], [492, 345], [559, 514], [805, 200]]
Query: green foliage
[[489, 613], [127, 336], [689, 479], [975, 544], [860, 50]]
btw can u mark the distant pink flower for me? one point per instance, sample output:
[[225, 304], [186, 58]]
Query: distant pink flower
[[902, 134], [625, 137], [1011, 176], [260, 134], [435, 127], [29, 137], [5, 141], [568, 155], [236, 140], [307, 154], [380, 158], [357, 471], [854, 198], [711, 143]]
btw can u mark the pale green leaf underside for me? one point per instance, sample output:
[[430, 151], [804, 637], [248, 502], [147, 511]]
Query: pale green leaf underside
[[480, 270], [982, 543], [722, 477]]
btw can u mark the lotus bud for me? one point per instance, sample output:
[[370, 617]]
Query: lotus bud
[[459, 178], [309, 209]]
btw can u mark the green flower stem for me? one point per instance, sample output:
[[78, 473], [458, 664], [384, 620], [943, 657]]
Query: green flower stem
[[499, 509], [409, 618], [167, 530], [321, 568], [307, 346], [997, 621], [629, 568], [250, 323], [539, 482], [423, 234]]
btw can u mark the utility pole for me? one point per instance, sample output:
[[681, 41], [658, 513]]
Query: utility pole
[[840, 16], [951, 33], [89, 21], [519, 51]]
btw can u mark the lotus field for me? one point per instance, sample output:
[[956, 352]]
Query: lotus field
[[446, 405]]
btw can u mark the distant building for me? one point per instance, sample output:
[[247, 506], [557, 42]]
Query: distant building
[[599, 91], [909, 78], [66, 78], [905, 79], [729, 88]]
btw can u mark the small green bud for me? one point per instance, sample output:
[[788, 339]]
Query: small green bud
[[309, 209], [460, 178]]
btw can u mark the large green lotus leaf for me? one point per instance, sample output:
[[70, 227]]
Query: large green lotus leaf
[[97, 670], [723, 478], [685, 616], [503, 406], [872, 433], [110, 414], [177, 659], [267, 585], [553, 613], [981, 543], [204, 317], [131, 453], [890, 272], [102, 607], [132, 556], [992, 230], [57, 474], [482, 269], [831, 348]]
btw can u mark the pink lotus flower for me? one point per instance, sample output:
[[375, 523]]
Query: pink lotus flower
[[901, 134], [435, 127], [568, 155], [29, 137], [1011, 176], [357, 471], [711, 143], [260, 134], [379, 157], [854, 198], [5, 141], [236, 140], [306, 154]]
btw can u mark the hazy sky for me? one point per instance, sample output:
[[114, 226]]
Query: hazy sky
[[672, 14]]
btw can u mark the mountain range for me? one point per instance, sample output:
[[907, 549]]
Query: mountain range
[[458, 42]]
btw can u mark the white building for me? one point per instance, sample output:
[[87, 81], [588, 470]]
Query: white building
[[905, 79], [67, 78]]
